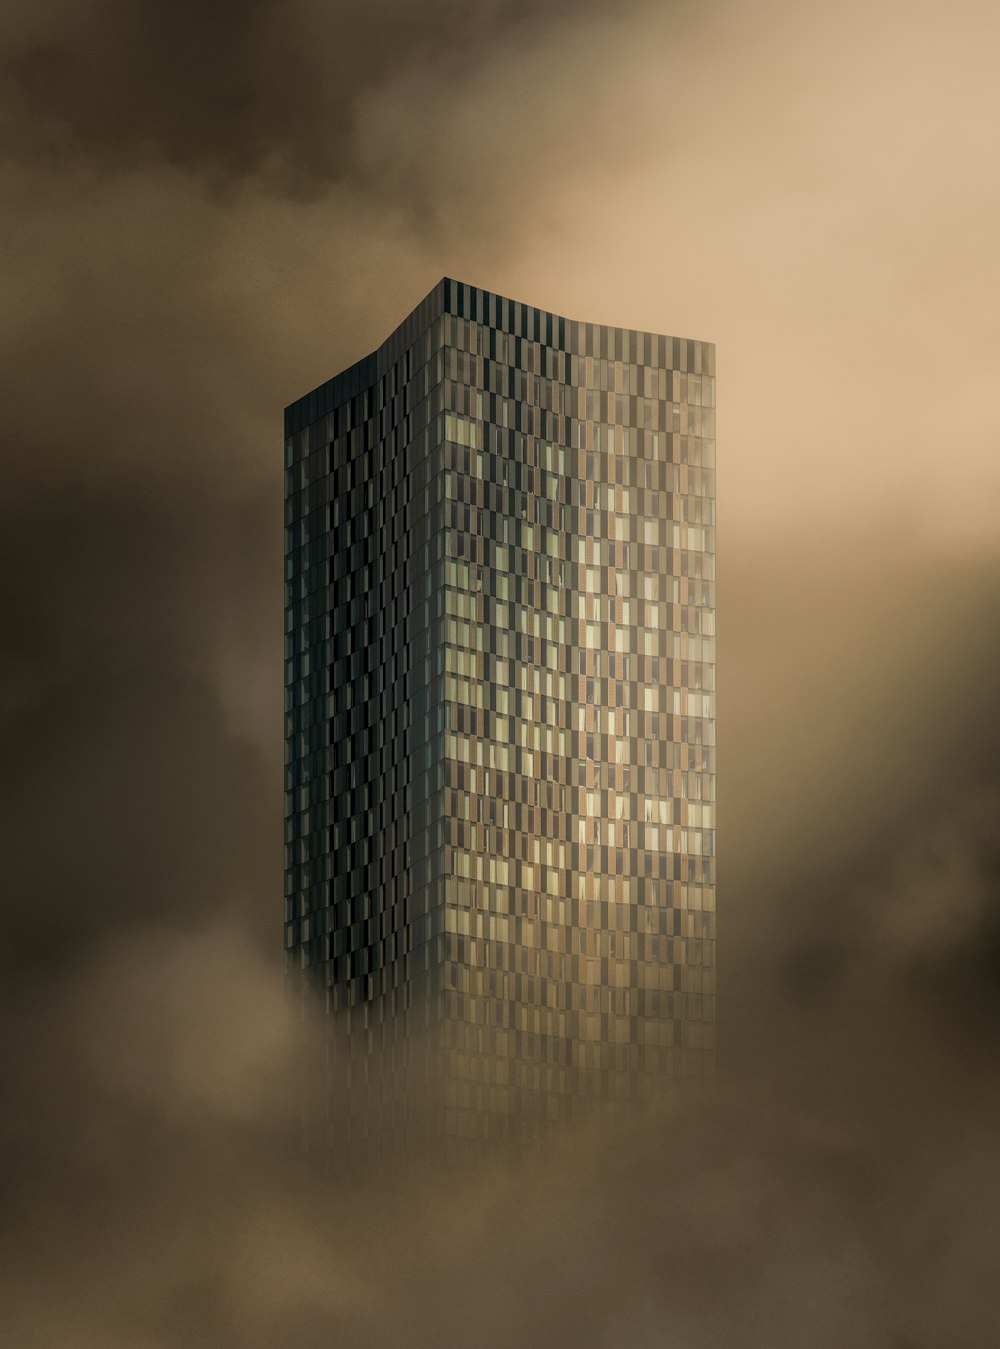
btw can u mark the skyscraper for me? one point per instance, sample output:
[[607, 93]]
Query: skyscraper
[[500, 767]]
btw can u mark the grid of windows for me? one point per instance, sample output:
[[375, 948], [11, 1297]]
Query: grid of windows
[[500, 625]]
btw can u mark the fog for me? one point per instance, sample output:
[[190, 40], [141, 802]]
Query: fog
[[208, 210]]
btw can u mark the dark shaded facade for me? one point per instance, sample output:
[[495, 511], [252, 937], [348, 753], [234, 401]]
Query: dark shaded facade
[[500, 767]]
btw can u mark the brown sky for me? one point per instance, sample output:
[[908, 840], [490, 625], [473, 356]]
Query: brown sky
[[209, 208]]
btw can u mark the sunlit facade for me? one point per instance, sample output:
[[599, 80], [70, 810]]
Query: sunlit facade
[[500, 718]]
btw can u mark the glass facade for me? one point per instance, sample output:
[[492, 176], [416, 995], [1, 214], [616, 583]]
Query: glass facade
[[500, 689]]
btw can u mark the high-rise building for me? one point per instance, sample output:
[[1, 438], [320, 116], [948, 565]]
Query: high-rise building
[[500, 716]]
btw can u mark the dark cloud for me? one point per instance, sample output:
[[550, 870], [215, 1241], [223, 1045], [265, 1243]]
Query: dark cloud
[[229, 88], [210, 208], [128, 798]]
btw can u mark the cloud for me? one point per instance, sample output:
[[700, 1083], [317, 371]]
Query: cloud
[[211, 208], [230, 89]]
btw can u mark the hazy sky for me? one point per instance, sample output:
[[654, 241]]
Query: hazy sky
[[210, 208]]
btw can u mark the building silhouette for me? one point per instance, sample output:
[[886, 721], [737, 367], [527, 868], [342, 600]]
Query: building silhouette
[[500, 720]]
